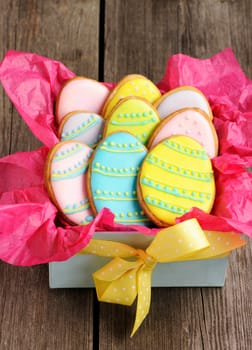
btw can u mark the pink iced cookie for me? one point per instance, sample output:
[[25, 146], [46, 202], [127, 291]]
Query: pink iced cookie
[[83, 126], [81, 94], [182, 97], [191, 122], [65, 178]]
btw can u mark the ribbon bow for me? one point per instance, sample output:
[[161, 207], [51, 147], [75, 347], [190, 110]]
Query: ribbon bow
[[128, 275]]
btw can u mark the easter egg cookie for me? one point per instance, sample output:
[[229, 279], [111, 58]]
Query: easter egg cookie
[[83, 126], [135, 115], [175, 176], [182, 97], [131, 85], [191, 122], [112, 177], [80, 93], [65, 179]]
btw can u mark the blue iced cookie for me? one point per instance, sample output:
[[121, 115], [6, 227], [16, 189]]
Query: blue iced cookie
[[113, 177]]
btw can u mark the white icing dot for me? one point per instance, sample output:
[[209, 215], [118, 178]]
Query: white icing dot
[[176, 251], [110, 269], [227, 243], [190, 244], [218, 238], [94, 251], [180, 241], [124, 289], [103, 273], [101, 247], [130, 276], [213, 247], [119, 265], [114, 290], [127, 298], [133, 287]]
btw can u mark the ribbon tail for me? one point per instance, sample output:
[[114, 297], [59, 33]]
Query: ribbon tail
[[144, 296]]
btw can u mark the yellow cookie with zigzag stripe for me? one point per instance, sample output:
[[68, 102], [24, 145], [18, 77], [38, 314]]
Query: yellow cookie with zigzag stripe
[[131, 85], [175, 176], [134, 115]]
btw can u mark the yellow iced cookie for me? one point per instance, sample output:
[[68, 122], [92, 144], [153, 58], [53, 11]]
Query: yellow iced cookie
[[131, 85], [134, 115], [175, 176]]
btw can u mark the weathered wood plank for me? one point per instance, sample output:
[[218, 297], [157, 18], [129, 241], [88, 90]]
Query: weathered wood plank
[[139, 37], [174, 322], [228, 310], [32, 316]]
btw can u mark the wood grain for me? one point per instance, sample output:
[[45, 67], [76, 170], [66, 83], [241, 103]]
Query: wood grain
[[174, 322], [138, 36], [32, 316], [228, 310]]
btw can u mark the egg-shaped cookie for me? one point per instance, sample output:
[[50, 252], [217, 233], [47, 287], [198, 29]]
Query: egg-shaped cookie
[[131, 85], [134, 115], [191, 122], [113, 177], [65, 179], [175, 176], [182, 97], [80, 93], [83, 126]]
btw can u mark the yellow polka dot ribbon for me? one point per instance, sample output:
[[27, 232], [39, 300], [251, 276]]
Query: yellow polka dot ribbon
[[128, 275]]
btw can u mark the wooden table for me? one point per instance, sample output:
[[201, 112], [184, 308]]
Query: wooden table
[[105, 40]]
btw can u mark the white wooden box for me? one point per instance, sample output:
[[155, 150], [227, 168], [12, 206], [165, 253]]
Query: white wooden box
[[76, 272]]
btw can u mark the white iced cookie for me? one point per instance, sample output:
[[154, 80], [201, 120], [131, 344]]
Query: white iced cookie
[[182, 97], [83, 126]]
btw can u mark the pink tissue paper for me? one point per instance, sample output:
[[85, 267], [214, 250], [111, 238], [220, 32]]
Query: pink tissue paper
[[29, 230]]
